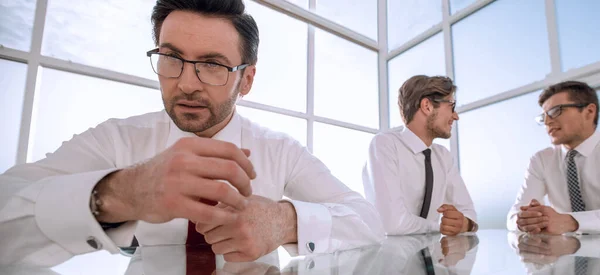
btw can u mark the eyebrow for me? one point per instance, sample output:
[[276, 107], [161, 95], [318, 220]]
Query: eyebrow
[[210, 55]]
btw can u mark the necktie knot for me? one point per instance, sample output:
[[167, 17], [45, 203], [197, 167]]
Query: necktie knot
[[427, 153], [571, 154]]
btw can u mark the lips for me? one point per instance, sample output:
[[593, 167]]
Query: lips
[[552, 130], [191, 104]]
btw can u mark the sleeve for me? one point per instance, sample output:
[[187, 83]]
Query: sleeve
[[589, 221], [44, 206], [380, 179], [458, 194], [534, 187], [331, 217]]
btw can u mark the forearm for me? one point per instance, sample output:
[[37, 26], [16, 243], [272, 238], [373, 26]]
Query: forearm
[[116, 197]]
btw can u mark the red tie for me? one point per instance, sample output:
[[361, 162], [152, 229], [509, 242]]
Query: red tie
[[200, 259]]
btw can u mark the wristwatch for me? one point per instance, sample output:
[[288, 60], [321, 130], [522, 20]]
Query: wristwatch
[[95, 204]]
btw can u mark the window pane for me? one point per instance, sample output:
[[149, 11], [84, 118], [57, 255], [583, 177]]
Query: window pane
[[63, 108], [16, 24], [496, 143], [444, 142], [281, 70], [578, 23], [501, 47], [345, 81], [344, 159], [11, 107], [426, 58], [457, 5], [359, 15], [295, 127], [409, 18], [111, 34]]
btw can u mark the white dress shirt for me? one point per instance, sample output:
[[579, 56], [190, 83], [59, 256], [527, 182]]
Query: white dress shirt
[[44, 206], [546, 175], [394, 181]]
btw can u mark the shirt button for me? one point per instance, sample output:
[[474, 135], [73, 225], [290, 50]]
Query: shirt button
[[310, 246], [94, 243]]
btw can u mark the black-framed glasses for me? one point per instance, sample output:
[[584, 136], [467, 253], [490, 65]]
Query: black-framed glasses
[[555, 111], [452, 103], [210, 73]]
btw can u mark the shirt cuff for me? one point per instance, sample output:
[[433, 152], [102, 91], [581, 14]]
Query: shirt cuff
[[314, 227], [588, 222], [62, 212]]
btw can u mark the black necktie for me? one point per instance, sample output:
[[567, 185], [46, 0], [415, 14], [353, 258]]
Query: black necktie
[[427, 262], [428, 184]]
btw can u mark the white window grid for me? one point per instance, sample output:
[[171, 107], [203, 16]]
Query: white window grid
[[34, 60]]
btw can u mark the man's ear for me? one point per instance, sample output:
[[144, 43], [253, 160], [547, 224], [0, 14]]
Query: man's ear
[[426, 106], [247, 80]]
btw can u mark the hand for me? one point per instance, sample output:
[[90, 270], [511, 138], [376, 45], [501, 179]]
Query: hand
[[453, 221], [171, 184], [454, 249], [531, 221], [260, 228], [556, 223], [545, 249]]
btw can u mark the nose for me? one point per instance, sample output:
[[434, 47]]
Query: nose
[[455, 116], [188, 81]]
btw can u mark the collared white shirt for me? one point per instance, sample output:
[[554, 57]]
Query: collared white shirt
[[547, 175], [44, 206], [394, 181]]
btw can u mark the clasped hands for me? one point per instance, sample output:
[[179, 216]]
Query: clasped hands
[[537, 218]]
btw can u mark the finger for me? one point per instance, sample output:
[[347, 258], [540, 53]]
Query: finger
[[453, 214], [529, 221], [446, 207], [533, 249], [529, 214], [525, 207], [203, 228], [237, 257], [214, 191], [452, 222], [535, 202], [247, 152], [202, 213], [449, 230], [535, 228], [207, 147], [220, 234], [226, 246], [220, 169]]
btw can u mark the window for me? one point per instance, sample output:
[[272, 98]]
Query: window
[[496, 143], [110, 34], [11, 107], [409, 18], [68, 104], [295, 127], [578, 32], [457, 5], [16, 24], [501, 47], [426, 58], [359, 15], [281, 70], [345, 159], [345, 81]]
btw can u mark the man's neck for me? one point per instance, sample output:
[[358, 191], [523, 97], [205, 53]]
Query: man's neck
[[421, 132], [579, 140], [212, 131]]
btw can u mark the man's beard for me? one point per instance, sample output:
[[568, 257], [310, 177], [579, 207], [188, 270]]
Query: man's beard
[[192, 122], [434, 131]]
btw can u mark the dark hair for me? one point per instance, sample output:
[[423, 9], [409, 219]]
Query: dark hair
[[579, 92], [233, 10], [421, 86]]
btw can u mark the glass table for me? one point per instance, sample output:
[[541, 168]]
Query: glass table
[[486, 252]]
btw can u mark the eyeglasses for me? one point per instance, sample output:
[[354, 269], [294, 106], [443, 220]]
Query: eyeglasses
[[207, 72], [452, 103], [555, 111]]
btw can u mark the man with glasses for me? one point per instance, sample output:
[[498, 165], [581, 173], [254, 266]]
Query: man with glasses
[[567, 172], [412, 181], [179, 176]]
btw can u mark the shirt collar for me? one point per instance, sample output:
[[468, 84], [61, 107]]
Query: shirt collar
[[414, 143], [586, 147], [230, 133]]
